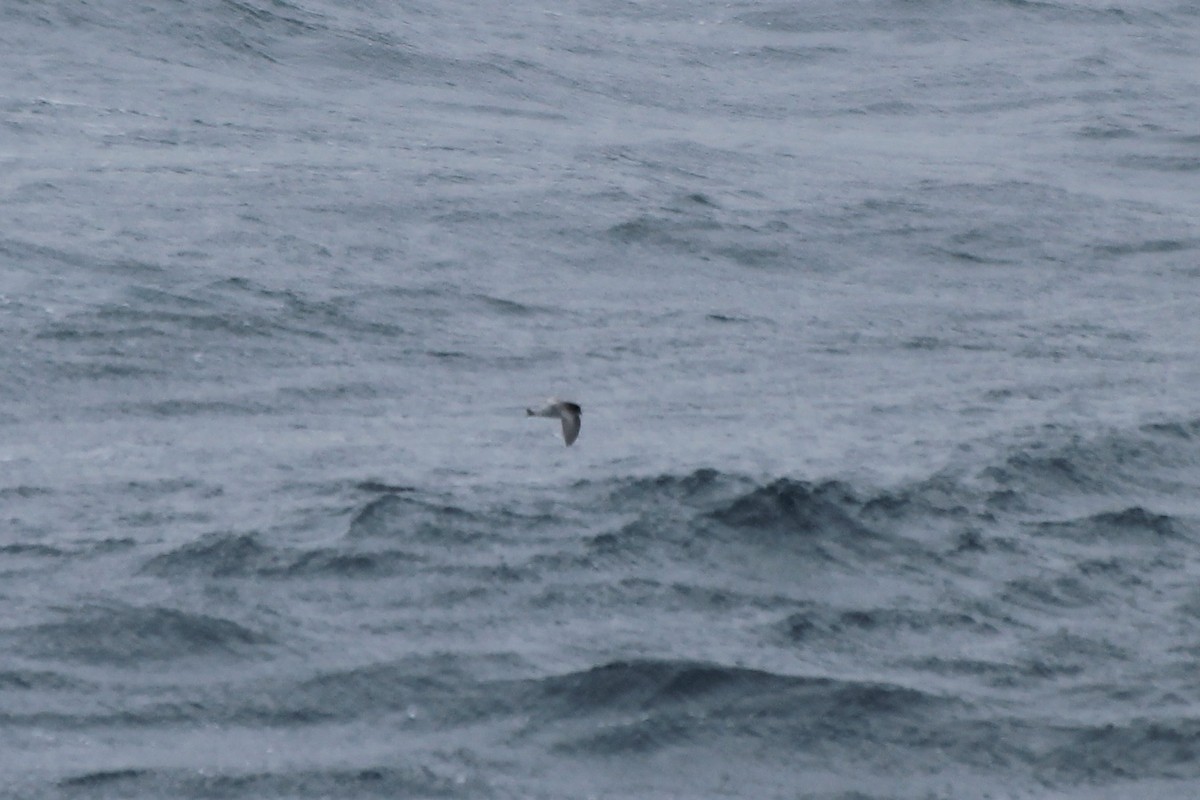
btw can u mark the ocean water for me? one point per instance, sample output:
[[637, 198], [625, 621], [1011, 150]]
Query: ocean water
[[883, 317]]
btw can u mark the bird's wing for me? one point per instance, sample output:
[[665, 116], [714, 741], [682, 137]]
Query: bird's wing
[[570, 425]]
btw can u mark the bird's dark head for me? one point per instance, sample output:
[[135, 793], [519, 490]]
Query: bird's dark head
[[574, 408]]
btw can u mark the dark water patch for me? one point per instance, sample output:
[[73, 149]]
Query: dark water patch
[[102, 778], [82, 547], [293, 396], [753, 256], [690, 235], [971, 541], [1185, 430], [379, 487], [675, 699], [639, 230], [93, 370], [631, 738], [794, 507], [434, 690], [33, 549], [647, 705], [406, 517], [967, 256], [962, 666], [21, 252], [244, 555], [153, 296], [162, 519], [830, 520], [938, 343], [333, 563], [114, 544], [647, 684], [792, 55], [361, 52], [149, 489], [819, 520], [380, 517], [356, 314], [626, 544], [38, 680], [130, 635], [216, 555], [482, 579], [1050, 474], [940, 496], [223, 322], [1053, 592], [1169, 164], [695, 488], [1136, 749], [239, 30], [1147, 246], [1067, 653], [80, 331], [651, 684], [517, 112], [187, 407], [381, 781], [1113, 569], [336, 782], [1066, 12], [695, 226], [1160, 457], [821, 622], [1106, 132], [700, 199], [506, 307], [24, 492], [645, 592], [1134, 524]]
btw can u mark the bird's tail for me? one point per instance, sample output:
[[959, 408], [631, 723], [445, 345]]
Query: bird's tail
[[529, 412]]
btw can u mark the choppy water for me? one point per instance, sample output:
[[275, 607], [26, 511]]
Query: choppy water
[[882, 314]]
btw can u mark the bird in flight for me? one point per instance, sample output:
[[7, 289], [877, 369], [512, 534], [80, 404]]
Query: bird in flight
[[569, 413]]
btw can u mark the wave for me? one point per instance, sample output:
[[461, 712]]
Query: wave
[[217, 555], [637, 705], [697, 485], [1134, 749], [130, 635], [643, 705], [432, 519], [230, 29], [1125, 482], [794, 507], [245, 556], [38, 680], [420, 687], [1155, 456], [385, 780], [822, 522], [1134, 524], [823, 622], [34, 549], [407, 517], [1062, 493]]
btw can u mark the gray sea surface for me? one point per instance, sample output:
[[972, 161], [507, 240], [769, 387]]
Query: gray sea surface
[[882, 314]]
